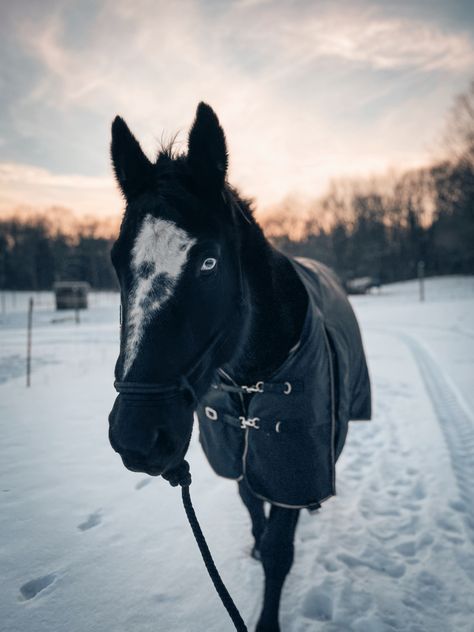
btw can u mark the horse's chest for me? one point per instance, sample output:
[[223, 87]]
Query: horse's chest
[[282, 442]]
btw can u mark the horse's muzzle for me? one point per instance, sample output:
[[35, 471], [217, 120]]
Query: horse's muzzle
[[150, 437]]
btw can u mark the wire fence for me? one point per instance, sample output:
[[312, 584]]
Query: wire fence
[[16, 301]]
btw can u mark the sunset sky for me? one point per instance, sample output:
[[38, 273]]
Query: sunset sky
[[305, 90]]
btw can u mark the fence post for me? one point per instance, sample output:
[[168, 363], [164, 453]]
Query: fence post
[[421, 279], [28, 343], [77, 298]]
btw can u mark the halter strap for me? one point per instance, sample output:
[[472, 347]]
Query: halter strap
[[171, 388], [187, 381]]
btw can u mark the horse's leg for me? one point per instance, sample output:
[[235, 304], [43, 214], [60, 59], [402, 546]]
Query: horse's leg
[[257, 515], [277, 557]]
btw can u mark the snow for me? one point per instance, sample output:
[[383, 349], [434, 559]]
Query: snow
[[87, 545]]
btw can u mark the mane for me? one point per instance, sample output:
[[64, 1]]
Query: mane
[[170, 159], [246, 204], [168, 148]]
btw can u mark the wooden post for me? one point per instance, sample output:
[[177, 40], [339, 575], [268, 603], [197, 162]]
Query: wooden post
[[77, 296], [421, 279], [28, 343]]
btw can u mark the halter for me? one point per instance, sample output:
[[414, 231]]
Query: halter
[[186, 382]]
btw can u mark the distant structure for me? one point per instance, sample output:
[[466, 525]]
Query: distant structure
[[361, 285], [71, 294]]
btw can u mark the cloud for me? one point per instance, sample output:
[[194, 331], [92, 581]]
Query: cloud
[[305, 91], [134, 50], [367, 39], [35, 187]]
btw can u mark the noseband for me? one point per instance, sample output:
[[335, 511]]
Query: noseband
[[184, 384]]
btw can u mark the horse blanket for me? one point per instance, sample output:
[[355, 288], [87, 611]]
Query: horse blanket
[[286, 439]]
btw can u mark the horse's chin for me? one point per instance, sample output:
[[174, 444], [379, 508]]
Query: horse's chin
[[167, 465], [145, 468]]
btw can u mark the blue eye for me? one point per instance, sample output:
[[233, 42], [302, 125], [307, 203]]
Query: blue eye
[[208, 264]]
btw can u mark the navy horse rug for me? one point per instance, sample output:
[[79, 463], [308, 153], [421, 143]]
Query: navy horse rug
[[285, 438]]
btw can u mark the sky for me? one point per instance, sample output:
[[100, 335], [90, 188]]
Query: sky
[[306, 90]]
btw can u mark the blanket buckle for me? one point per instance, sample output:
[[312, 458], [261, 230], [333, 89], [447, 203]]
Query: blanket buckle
[[255, 388], [249, 423]]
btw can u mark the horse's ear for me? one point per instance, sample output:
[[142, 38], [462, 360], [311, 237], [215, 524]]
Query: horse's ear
[[207, 151], [133, 170]]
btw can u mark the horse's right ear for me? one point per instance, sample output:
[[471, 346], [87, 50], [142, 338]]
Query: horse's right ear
[[133, 170]]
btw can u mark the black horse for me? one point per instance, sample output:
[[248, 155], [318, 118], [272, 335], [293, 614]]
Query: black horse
[[216, 320]]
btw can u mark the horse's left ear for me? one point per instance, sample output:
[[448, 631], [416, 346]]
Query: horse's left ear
[[207, 151]]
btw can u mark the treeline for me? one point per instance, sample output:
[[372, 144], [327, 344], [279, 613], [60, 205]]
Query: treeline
[[380, 227], [384, 226], [34, 253]]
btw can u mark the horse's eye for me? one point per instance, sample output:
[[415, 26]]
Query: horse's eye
[[208, 264]]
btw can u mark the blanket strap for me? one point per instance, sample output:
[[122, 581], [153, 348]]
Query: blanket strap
[[277, 388]]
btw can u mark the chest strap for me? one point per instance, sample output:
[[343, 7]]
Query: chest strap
[[277, 388], [252, 423]]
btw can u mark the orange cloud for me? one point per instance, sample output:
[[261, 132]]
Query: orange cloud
[[39, 188], [305, 94]]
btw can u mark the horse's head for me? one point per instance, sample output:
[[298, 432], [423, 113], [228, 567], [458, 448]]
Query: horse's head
[[177, 261]]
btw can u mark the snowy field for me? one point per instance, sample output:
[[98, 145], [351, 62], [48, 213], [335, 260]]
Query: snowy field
[[86, 546]]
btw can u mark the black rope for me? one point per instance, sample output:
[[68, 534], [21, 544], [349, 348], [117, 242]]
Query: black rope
[[181, 475], [219, 585]]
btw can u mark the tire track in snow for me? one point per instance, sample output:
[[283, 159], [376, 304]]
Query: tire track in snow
[[456, 424]]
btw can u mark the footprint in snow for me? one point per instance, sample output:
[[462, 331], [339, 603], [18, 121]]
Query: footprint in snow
[[163, 598], [375, 560], [458, 505], [447, 524], [143, 483], [370, 623], [419, 491], [93, 520], [402, 482], [32, 588], [407, 549], [426, 539], [355, 600], [429, 585], [330, 565], [411, 506], [317, 605]]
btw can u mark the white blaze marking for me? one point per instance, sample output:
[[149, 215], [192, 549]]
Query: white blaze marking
[[162, 249]]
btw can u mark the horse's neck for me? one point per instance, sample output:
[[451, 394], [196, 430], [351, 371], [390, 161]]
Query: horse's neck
[[277, 303]]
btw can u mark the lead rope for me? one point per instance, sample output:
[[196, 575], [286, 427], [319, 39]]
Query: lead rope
[[181, 476]]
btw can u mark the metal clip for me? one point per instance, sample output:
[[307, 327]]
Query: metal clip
[[249, 423], [255, 388], [210, 413]]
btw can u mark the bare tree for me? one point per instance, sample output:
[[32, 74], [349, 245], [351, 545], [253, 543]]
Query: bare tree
[[458, 139]]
